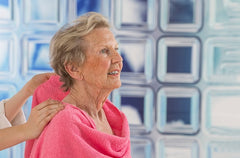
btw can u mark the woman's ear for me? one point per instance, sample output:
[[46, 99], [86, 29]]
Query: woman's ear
[[74, 71]]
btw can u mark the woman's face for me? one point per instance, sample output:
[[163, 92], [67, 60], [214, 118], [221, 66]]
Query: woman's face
[[103, 63]]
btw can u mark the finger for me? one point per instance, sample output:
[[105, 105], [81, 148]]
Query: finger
[[48, 118], [47, 113], [46, 103]]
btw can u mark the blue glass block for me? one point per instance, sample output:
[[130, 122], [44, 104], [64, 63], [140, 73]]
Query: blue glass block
[[137, 57], [181, 11], [178, 60], [141, 148], [4, 95], [224, 15], [177, 148], [5, 153], [181, 16], [6, 11], [18, 151], [134, 14], [36, 54], [223, 149], [8, 56], [222, 60], [137, 104], [221, 111], [27, 107], [80, 7], [7, 14], [38, 13], [178, 110], [5, 55], [86, 6], [6, 91]]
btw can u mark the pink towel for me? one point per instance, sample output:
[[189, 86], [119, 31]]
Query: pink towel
[[72, 133], [50, 89]]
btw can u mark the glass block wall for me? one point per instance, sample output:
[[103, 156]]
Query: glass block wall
[[181, 74]]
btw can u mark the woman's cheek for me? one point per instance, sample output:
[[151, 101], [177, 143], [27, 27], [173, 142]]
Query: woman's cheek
[[105, 65]]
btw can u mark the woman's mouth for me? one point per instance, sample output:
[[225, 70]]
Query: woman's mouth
[[113, 73]]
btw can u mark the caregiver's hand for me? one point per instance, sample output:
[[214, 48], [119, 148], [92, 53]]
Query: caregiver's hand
[[40, 116]]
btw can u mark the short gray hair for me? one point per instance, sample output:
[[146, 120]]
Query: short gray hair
[[68, 45]]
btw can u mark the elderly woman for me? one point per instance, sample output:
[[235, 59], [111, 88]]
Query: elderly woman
[[84, 55]]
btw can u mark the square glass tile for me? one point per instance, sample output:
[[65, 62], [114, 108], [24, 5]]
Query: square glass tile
[[137, 104], [134, 14], [77, 8], [5, 55], [222, 60], [36, 54], [223, 149], [6, 91], [181, 16], [224, 15], [8, 56], [138, 60], [38, 12], [178, 60], [5, 153], [178, 110], [39, 16], [177, 148], [221, 111], [6, 11], [181, 11], [141, 148], [86, 6]]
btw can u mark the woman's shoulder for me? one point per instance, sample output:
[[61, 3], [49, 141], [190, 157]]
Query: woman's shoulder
[[69, 116], [67, 113]]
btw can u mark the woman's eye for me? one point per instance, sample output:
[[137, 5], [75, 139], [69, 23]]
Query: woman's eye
[[104, 51]]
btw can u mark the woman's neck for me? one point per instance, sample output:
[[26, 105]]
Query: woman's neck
[[88, 99]]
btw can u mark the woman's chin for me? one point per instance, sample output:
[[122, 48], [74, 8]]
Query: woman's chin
[[117, 85]]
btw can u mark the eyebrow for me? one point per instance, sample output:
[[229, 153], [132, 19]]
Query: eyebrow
[[104, 45]]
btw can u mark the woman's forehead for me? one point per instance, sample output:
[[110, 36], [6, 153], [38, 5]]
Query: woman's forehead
[[101, 36]]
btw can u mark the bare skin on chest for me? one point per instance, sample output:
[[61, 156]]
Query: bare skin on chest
[[102, 124]]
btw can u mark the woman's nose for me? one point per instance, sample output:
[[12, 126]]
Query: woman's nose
[[116, 57]]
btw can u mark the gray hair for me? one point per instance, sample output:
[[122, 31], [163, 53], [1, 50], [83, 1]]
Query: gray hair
[[68, 45]]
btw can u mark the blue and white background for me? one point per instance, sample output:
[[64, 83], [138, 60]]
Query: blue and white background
[[181, 74]]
